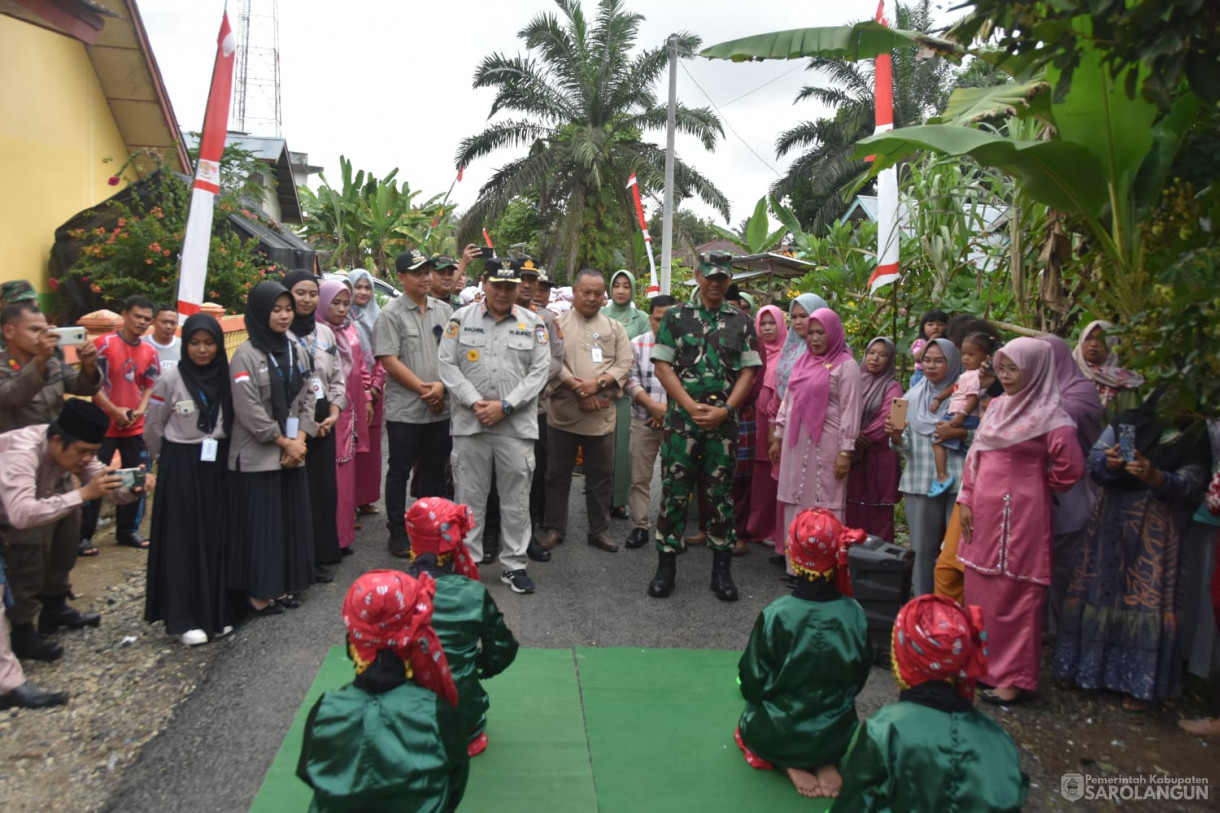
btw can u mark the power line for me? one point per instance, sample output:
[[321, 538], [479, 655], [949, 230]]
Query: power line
[[725, 119], [763, 85]]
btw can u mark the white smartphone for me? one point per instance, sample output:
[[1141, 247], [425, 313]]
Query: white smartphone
[[73, 336]]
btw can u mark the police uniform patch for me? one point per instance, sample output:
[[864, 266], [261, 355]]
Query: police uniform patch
[[472, 355], [540, 334], [451, 330]]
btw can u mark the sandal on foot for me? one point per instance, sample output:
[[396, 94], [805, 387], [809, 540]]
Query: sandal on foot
[[367, 509], [86, 548], [939, 487], [990, 696]]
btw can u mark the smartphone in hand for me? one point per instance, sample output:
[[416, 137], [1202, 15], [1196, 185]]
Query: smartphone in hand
[[898, 412], [1126, 442]]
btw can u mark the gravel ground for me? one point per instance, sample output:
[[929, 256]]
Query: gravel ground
[[154, 726]]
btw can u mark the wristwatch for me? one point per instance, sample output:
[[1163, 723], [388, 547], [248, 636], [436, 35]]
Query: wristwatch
[[507, 407], [601, 383]]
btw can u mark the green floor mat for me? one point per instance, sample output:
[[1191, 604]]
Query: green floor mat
[[537, 759], [657, 724], [661, 726]]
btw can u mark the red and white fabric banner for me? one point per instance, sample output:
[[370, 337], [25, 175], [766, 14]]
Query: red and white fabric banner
[[653, 288], [887, 180], [197, 239]]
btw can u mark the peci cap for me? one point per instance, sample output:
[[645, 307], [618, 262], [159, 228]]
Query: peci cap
[[716, 263], [17, 290], [83, 420], [443, 263], [527, 267], [502, 269], [412, 260]]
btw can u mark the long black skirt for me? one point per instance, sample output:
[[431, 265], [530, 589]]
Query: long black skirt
[[189, 542], [270, 533], [323, 498]]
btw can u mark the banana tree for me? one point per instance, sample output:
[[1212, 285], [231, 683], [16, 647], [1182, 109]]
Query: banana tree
[[755, 234]]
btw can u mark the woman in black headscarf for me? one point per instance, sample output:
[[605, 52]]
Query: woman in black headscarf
[[271, 533], [316, 344], [190, 417]]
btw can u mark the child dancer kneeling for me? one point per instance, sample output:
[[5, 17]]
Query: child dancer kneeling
[[392, 739], [932, 750], [478, 643], [807, 659]]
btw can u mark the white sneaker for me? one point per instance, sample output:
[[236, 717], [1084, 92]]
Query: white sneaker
[[194, 637], [224, 632]]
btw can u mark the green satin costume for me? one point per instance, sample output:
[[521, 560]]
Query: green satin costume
[[401, 750], [911, 758], [476, 641], [800, 673]]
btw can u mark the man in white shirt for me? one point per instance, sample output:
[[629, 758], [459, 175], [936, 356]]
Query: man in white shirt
[[164, 338]]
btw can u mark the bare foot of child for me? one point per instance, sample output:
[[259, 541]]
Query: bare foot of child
[[829, 779], [806, 783]]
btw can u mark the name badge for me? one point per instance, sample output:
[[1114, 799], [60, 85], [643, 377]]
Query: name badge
[[315, 384], [208, 449], [598, 358], [184, 407], [292, 428]]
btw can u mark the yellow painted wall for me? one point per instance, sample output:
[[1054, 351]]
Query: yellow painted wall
[[55, 129]]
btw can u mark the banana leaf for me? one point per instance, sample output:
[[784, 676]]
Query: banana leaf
[[852, 42]]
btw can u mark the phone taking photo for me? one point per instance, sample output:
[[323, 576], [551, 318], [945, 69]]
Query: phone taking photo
[[898, 412], [1126, 442]]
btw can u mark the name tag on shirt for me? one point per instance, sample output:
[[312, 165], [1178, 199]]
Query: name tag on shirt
[[208, 449], [315, 384], [598, 358], [292, 427]]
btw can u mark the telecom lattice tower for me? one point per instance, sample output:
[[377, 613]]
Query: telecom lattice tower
[[257, 82]]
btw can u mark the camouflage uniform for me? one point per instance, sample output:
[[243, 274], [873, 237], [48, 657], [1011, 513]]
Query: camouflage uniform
[[707, 351]]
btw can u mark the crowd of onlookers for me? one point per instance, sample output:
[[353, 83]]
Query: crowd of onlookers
[[1037, 481]]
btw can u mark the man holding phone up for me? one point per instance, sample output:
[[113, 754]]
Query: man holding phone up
[[129, 369], [33, 377], [39, 517]]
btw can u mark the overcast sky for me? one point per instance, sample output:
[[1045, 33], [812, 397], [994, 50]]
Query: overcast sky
[[388, 83]]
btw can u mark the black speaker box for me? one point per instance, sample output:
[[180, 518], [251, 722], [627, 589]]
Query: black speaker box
[[881, 582]]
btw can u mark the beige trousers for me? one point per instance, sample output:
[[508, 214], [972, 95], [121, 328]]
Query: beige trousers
[[11, 675], [645, 444]]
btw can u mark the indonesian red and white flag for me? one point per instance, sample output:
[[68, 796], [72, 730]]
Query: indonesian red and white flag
[[887, 180], [653, 288], [197, 239]]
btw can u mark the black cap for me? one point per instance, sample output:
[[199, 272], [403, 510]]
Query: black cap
[[716, 263], [412, 260], [502, 269], [83, 420], [527, 267]]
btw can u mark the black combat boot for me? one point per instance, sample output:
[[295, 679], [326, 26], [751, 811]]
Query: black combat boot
[[29, 645], [667, 570], [56, 613], [722, 579]]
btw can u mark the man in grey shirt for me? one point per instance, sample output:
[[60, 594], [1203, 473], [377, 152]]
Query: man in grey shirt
[[416, 409], [494, 359]]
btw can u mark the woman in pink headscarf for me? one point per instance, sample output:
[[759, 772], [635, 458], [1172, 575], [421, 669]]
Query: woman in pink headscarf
[[818, 421], [872, 487], [763, 523], [352, 428], [1025, 448]]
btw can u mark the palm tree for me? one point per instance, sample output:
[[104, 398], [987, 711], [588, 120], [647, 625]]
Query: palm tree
[[584, 102], [817, 179]]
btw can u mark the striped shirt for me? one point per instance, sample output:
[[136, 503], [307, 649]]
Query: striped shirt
[[643, 376]]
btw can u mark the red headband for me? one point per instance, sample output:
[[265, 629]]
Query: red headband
[[386, 609], [817, 547], [935, 638], [436, 525]]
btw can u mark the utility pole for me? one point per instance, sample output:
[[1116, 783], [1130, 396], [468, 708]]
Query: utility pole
[[667, 212]]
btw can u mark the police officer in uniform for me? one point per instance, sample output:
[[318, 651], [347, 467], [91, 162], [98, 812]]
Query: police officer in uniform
[[706, 355], [494, 360]]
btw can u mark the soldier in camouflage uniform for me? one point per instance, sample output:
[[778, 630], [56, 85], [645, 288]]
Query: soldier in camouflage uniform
[[706, 355]]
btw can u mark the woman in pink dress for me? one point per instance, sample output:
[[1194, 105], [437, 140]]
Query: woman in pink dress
[[818, 421], [1025, 448], [872, 485], [368, 462], [352, 428], [772, 330]]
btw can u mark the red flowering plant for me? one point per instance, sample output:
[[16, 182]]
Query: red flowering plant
[[137, 249]]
